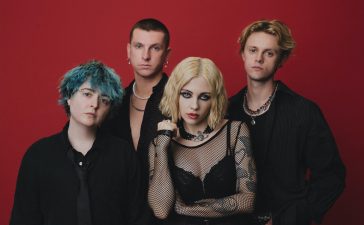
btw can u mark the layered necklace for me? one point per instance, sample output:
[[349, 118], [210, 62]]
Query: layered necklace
[[138, 97], [200, 136], [262, 109]]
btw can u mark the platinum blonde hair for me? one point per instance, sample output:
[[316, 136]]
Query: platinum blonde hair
[[183, 73]]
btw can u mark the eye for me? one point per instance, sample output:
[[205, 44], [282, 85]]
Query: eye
[[186, 94], [86, 93], [157, 48], [105, 100], [269, 53], [138, 45], [252, 50], [205, 97]]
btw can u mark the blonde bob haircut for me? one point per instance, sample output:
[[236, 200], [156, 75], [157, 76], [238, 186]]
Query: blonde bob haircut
[[277, 28], [183, 73]]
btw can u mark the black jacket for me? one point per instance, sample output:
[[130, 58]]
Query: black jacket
[[299, 142], [47, 185], [119, 125]]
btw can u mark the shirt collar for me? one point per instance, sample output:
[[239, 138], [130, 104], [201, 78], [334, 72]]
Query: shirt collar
[[97, 145]]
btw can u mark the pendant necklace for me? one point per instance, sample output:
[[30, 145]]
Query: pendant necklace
[[261, 110], [200, 136]]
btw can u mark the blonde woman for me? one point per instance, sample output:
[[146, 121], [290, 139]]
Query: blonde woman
[[201, 165]]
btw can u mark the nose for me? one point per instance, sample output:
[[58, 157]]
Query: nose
[[194, 104], [94, 101], [146, 55], [259, 57]]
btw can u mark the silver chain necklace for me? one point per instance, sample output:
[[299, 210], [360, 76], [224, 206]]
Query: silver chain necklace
[[137, 96], [261, 110]]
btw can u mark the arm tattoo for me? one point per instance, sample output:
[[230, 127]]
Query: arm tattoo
[[248, 172], [246, 143], [225, 205]]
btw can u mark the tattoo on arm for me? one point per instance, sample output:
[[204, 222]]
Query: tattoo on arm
[[248, 172], [225, 205]]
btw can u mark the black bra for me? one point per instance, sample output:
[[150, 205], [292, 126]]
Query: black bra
[[219, 182]]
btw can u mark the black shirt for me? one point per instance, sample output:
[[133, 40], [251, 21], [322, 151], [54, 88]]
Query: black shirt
[[48, 185]]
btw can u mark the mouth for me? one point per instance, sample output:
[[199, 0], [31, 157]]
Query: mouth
[[192, 115], [91, 114], [258, 68], [144, 66]]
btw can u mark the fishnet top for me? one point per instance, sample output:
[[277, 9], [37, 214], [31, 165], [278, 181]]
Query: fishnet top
[[213, 179]]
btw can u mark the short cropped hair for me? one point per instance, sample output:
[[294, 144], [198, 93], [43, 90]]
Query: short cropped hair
[[150, 24], [277, 28], [101, 78], [183, 73]]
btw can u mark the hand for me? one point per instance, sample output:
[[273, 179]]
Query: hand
[[269, 222], [168, 125]]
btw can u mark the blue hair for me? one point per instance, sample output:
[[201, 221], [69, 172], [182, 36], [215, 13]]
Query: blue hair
[[100, 76]]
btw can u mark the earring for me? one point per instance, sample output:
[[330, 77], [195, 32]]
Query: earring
[[128, 60], [166, 64]]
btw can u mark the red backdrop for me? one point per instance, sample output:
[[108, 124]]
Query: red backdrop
[[40, 40]]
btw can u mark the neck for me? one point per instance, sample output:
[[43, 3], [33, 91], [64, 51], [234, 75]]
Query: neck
[[259, 92], [81, 137], [144, 85], [193, 129]]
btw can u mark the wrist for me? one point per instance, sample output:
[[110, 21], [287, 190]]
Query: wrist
[[168, 133]]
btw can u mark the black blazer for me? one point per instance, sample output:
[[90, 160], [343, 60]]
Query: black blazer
[[301, 167]]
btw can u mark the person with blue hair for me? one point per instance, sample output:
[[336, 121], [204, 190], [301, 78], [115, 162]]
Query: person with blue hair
[[81, 176]]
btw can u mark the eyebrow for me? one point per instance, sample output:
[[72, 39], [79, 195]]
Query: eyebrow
[[264, 49], [202, 93], [152, 45], [89, 89]]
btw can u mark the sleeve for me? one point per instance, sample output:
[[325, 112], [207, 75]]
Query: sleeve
[[26, 208], [161, 193], [327, 171], [243, 200]]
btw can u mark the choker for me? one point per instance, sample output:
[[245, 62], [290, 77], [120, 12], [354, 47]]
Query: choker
[[262, 109], [137, 96], [200, 136]]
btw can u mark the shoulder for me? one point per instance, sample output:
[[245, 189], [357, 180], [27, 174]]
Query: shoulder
[[235, 106], [41, 149], [294, 100], [237, 98], [239, 126], [115, 145]]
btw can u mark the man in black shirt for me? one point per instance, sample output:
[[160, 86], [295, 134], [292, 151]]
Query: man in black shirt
[[137, 119], [300, 173], [81, 176]]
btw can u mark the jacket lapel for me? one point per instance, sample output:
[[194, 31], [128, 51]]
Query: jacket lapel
[[268, 131]]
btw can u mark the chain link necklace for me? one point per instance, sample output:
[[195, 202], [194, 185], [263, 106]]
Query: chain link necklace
[[137, 96], [200, 136], [261, 110]]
